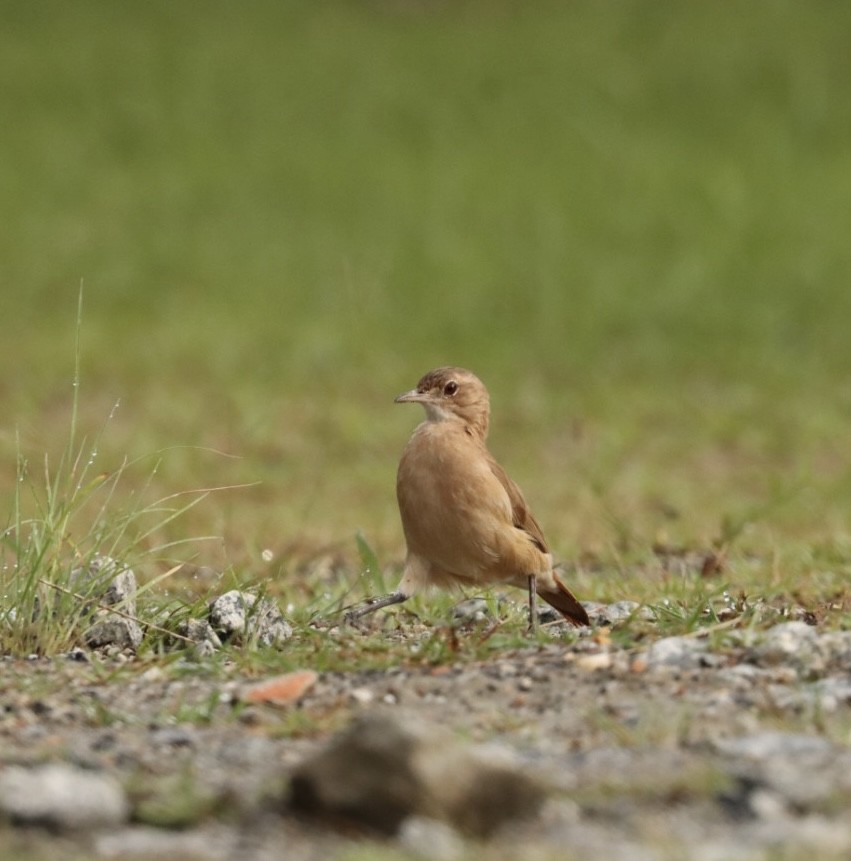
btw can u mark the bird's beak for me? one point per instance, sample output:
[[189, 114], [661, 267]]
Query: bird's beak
[[411, 397]]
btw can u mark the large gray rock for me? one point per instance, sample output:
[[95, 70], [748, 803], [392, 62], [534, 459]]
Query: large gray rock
[[385, 768], [61, 796], [114, 630]]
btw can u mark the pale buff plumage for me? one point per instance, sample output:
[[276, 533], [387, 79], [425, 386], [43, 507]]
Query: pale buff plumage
[[465, 521]]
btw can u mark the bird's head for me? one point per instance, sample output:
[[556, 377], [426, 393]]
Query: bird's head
[[452, 394]]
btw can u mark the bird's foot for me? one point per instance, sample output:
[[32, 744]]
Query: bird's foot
[[356, 613]]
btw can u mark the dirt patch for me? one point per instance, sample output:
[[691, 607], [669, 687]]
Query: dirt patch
[[683, 748]]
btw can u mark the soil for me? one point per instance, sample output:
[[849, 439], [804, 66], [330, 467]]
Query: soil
[[686, 748]]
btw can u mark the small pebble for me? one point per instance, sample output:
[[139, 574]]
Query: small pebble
[[430, 839], [281, 690], [595, 661]]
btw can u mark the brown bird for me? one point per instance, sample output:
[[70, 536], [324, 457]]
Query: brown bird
[[465, 521]]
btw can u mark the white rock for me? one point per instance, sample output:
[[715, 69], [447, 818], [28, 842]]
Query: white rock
[[832, 692], [684, 652], [111, 629], [471, 610], [768, 805], [61, 796], [228, 612], [620, 611], [431, 839], [243, 615], [594, 661], [776, 745], [145, 842], [793, 643], [835, 646]]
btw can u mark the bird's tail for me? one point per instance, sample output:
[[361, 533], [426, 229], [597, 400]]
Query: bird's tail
[[557, 595]]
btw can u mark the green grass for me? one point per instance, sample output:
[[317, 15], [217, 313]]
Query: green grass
[[70, 532], [632, 222]]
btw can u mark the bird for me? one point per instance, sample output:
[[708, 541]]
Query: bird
[[466, 523]]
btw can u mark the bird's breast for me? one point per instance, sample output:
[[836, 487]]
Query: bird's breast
[[452, 505]]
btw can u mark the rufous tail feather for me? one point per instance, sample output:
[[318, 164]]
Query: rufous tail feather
[[564, 601]]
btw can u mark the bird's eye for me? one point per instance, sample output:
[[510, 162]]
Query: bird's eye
[[450, 388]]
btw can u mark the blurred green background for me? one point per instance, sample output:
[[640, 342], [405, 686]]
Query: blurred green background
[[632, 220]]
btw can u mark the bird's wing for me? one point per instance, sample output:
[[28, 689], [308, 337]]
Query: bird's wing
[[520, 514]]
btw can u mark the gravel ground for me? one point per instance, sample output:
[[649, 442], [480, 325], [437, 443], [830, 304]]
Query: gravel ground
[[680, 749]]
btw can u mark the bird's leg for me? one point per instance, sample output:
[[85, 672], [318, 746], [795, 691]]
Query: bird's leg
[[533, 604], [373, 604], [413, 580]]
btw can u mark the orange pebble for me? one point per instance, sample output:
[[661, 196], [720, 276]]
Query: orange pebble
[[281, 690]]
